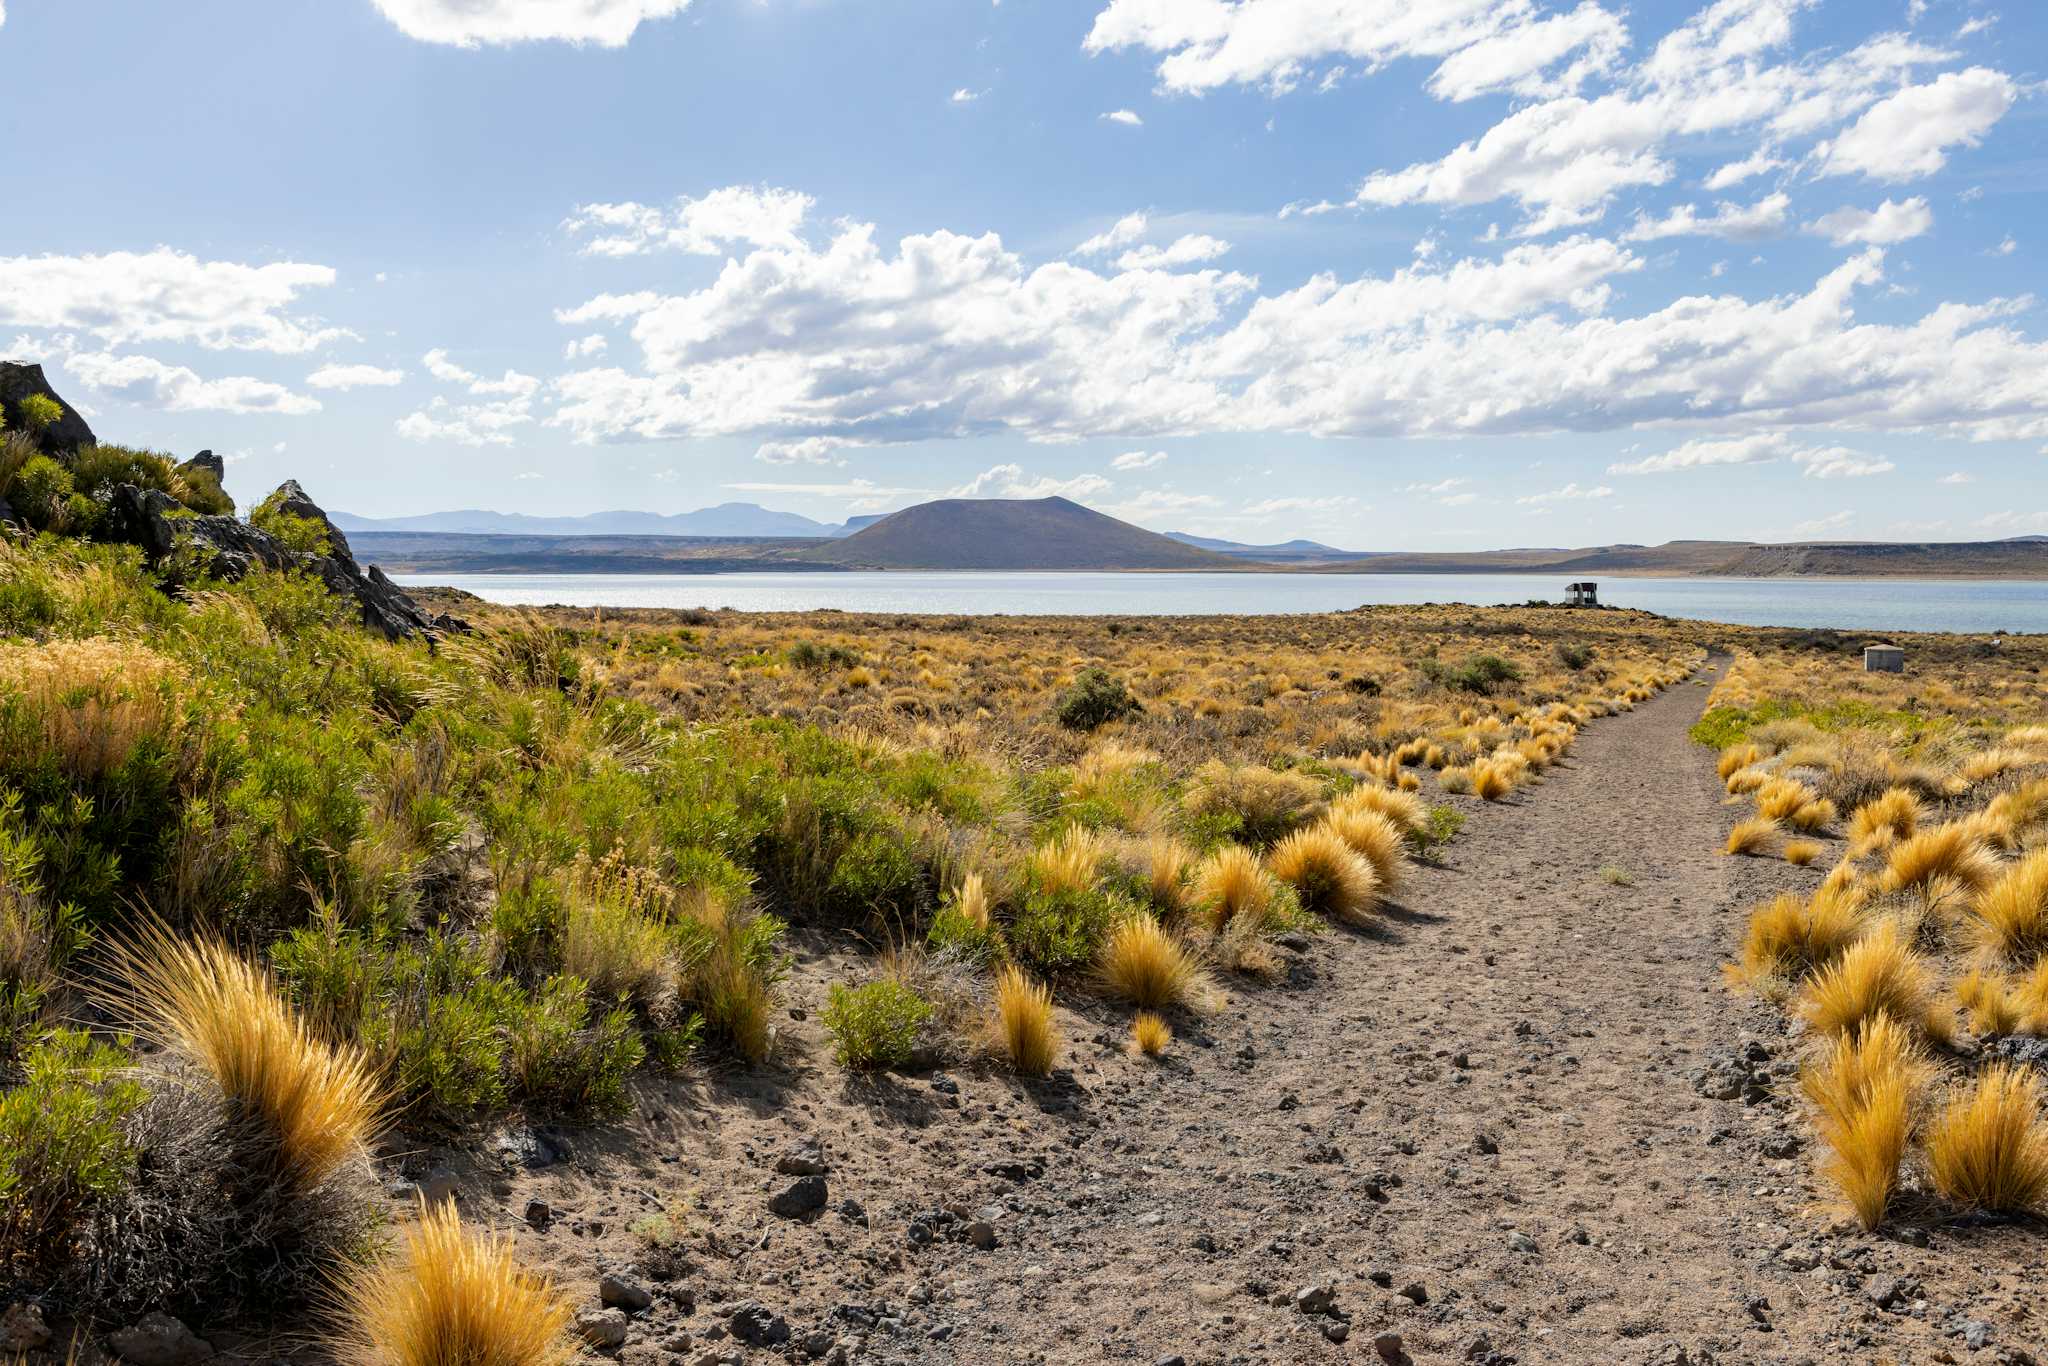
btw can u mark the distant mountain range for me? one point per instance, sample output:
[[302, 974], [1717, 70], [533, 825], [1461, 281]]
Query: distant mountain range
[[1057, 534], [1282, 553], [750, 521]]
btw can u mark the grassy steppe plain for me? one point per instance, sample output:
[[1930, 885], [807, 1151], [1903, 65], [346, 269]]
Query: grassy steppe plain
[[292, 913]]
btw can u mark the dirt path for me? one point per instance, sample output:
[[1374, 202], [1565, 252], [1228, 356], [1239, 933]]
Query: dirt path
[[1526, 1095], [1498, 1100]]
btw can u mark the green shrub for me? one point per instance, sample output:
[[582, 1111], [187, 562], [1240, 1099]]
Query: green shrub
[[564, 1062], [1574, 657], [1094, 699], [1445, 821], [301, 535], [874, 1026], [63, 1146], [42, 491], [36, 940], [37, 413], [1475, 674], [432, 1013], [809, 655], [1062, 930], [953, 931]]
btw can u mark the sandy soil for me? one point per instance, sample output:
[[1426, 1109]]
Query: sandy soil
[[1527, 1100]]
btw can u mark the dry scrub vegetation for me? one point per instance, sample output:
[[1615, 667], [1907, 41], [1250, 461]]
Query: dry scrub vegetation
[[1918, 960], [270, 885]]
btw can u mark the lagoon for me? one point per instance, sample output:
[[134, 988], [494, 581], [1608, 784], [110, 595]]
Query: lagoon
[[1973, 605]]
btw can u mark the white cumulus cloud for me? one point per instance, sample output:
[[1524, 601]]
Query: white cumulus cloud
[[1730, 222], [164, 295], [469, 23], [1909, 134], [758, 216], [354, 377], [1124, 116], [1138, 460], [1889, 222], [151, 383]]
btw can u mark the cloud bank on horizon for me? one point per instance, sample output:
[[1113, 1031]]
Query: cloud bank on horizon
[[1611, 256]]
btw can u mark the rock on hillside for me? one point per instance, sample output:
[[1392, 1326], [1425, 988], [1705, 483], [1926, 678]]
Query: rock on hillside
[[229, 548], [20, 382], [154, 521]]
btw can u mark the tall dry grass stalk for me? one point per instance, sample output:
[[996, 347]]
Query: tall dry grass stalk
[[1023, 1023], [313, 1105], [1989, 1148], [450, 1296], [1143, 963], [1866, 1087]]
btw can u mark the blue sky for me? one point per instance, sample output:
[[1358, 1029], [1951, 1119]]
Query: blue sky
[[1389, 273]]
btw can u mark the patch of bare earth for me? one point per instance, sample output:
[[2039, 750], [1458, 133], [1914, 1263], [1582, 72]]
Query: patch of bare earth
[[1522, 1120]]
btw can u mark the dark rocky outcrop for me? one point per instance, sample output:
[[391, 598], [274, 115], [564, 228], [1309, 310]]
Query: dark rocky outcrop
[[233, 548], [18, 383], [228, 548]]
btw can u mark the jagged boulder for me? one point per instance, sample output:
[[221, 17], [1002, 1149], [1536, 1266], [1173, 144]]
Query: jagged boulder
[[208, 461], [17, 383]]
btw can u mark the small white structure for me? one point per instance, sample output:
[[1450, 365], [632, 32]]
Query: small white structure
[[1585, 594], [1883, 659]]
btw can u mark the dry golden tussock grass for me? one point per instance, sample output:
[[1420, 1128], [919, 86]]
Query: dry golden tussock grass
[[1376, 839], [1949, 851], [1745, 780], [1790, 936], [1166, 867], [1492, 780], [1150, 1035], [1779, 798], [1800, 853], [450, 1296], [1231, 887], [1407, 811], [1753, 836], [1886, 818], [95, 701], [2011, 915], [311, 1105], [1022, 1023], [1141, 962], [1879, 974], [1992, 1004], [1329, 878], [1071, 863], [1989, 1148], [1866, 1087]]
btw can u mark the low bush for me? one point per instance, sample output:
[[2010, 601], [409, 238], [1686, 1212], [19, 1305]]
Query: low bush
[[1093, 700], [874, 1026], [64, 1146]]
